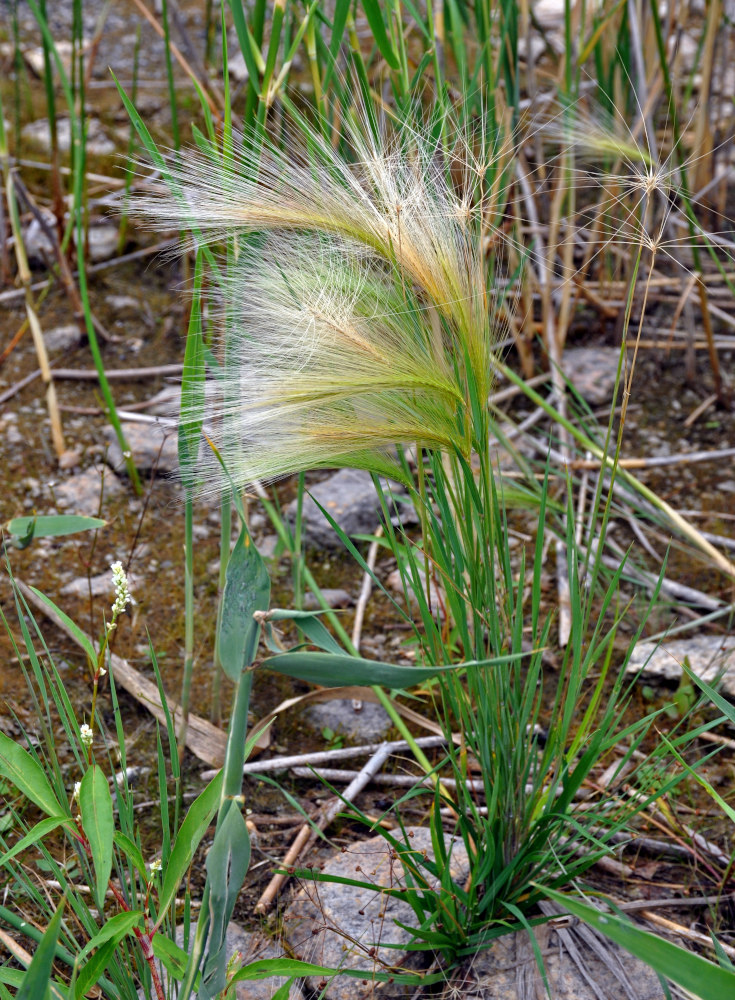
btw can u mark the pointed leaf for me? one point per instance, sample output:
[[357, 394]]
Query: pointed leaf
[[36, 833], [227, 866], [94, 967], [132, 853], [38, 975], [113, 930], [80, 637], [187, 841], [331, 670], [95, 805], [23, 771], [52, 525], [694, 973], [173, 958], [374, 14], [247, 590]]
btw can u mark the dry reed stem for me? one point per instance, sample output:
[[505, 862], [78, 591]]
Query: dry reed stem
[[24, 273]]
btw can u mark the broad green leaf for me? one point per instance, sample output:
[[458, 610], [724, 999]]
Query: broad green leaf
[[36, 833], [132, 853], [227, 866], [52, 525], [310, 624], [187, 841], [173, 957], [93, 968], [80, 637], [23, 771], [95, 805], [696, 974], [37, 979], [247, 590], [113, 930], [331, 670], [374, 14], [283, 992]]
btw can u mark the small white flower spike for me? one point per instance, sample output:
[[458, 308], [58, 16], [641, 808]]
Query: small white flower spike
[[122, 594], [86, 735]]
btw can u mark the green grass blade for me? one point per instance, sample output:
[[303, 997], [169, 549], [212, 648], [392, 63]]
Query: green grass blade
[[696, 974]]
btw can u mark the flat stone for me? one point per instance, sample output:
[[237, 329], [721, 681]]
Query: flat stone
[[334, 597], [152, 445], [349, 497], [97, 586], [62, 338], [592, 371], [336, 925], [509, 969], [365, 724], [166, 403], [98, 142], [709, 656], [37, 246], [124, 304], [102, 239], [253, 947], [80, 494], [395, 583]]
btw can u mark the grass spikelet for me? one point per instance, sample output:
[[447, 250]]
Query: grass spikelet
[[358, 309]]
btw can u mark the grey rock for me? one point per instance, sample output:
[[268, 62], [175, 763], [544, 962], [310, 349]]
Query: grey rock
[[334, 597], [97, 586], [166, 403], [102, 239], [98, 142], [37, 245], [349, 497], [80, 494], [592, 370], [509, 969], [709, 656], [395, 583], [253, 947], [365, 724], [124, 304], [63, 338], [336, 925], [152, 445], [267, 545]]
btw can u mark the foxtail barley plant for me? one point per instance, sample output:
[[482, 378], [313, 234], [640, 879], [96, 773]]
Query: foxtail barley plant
[[359, 315]]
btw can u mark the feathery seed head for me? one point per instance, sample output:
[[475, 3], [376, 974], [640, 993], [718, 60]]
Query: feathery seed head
[[357, 307]]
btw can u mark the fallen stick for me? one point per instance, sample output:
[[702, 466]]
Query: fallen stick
[[657, 461], [90, 375], [335, 774], [130, 374], [365, 590], [686, 932], [307, 834], [323, 756], [205, 741]]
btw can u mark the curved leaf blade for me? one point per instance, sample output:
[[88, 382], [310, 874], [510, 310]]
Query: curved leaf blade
[[95, 805], [52, 525], [188, 839], [696, 974], [23, 771], [332, 670]]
